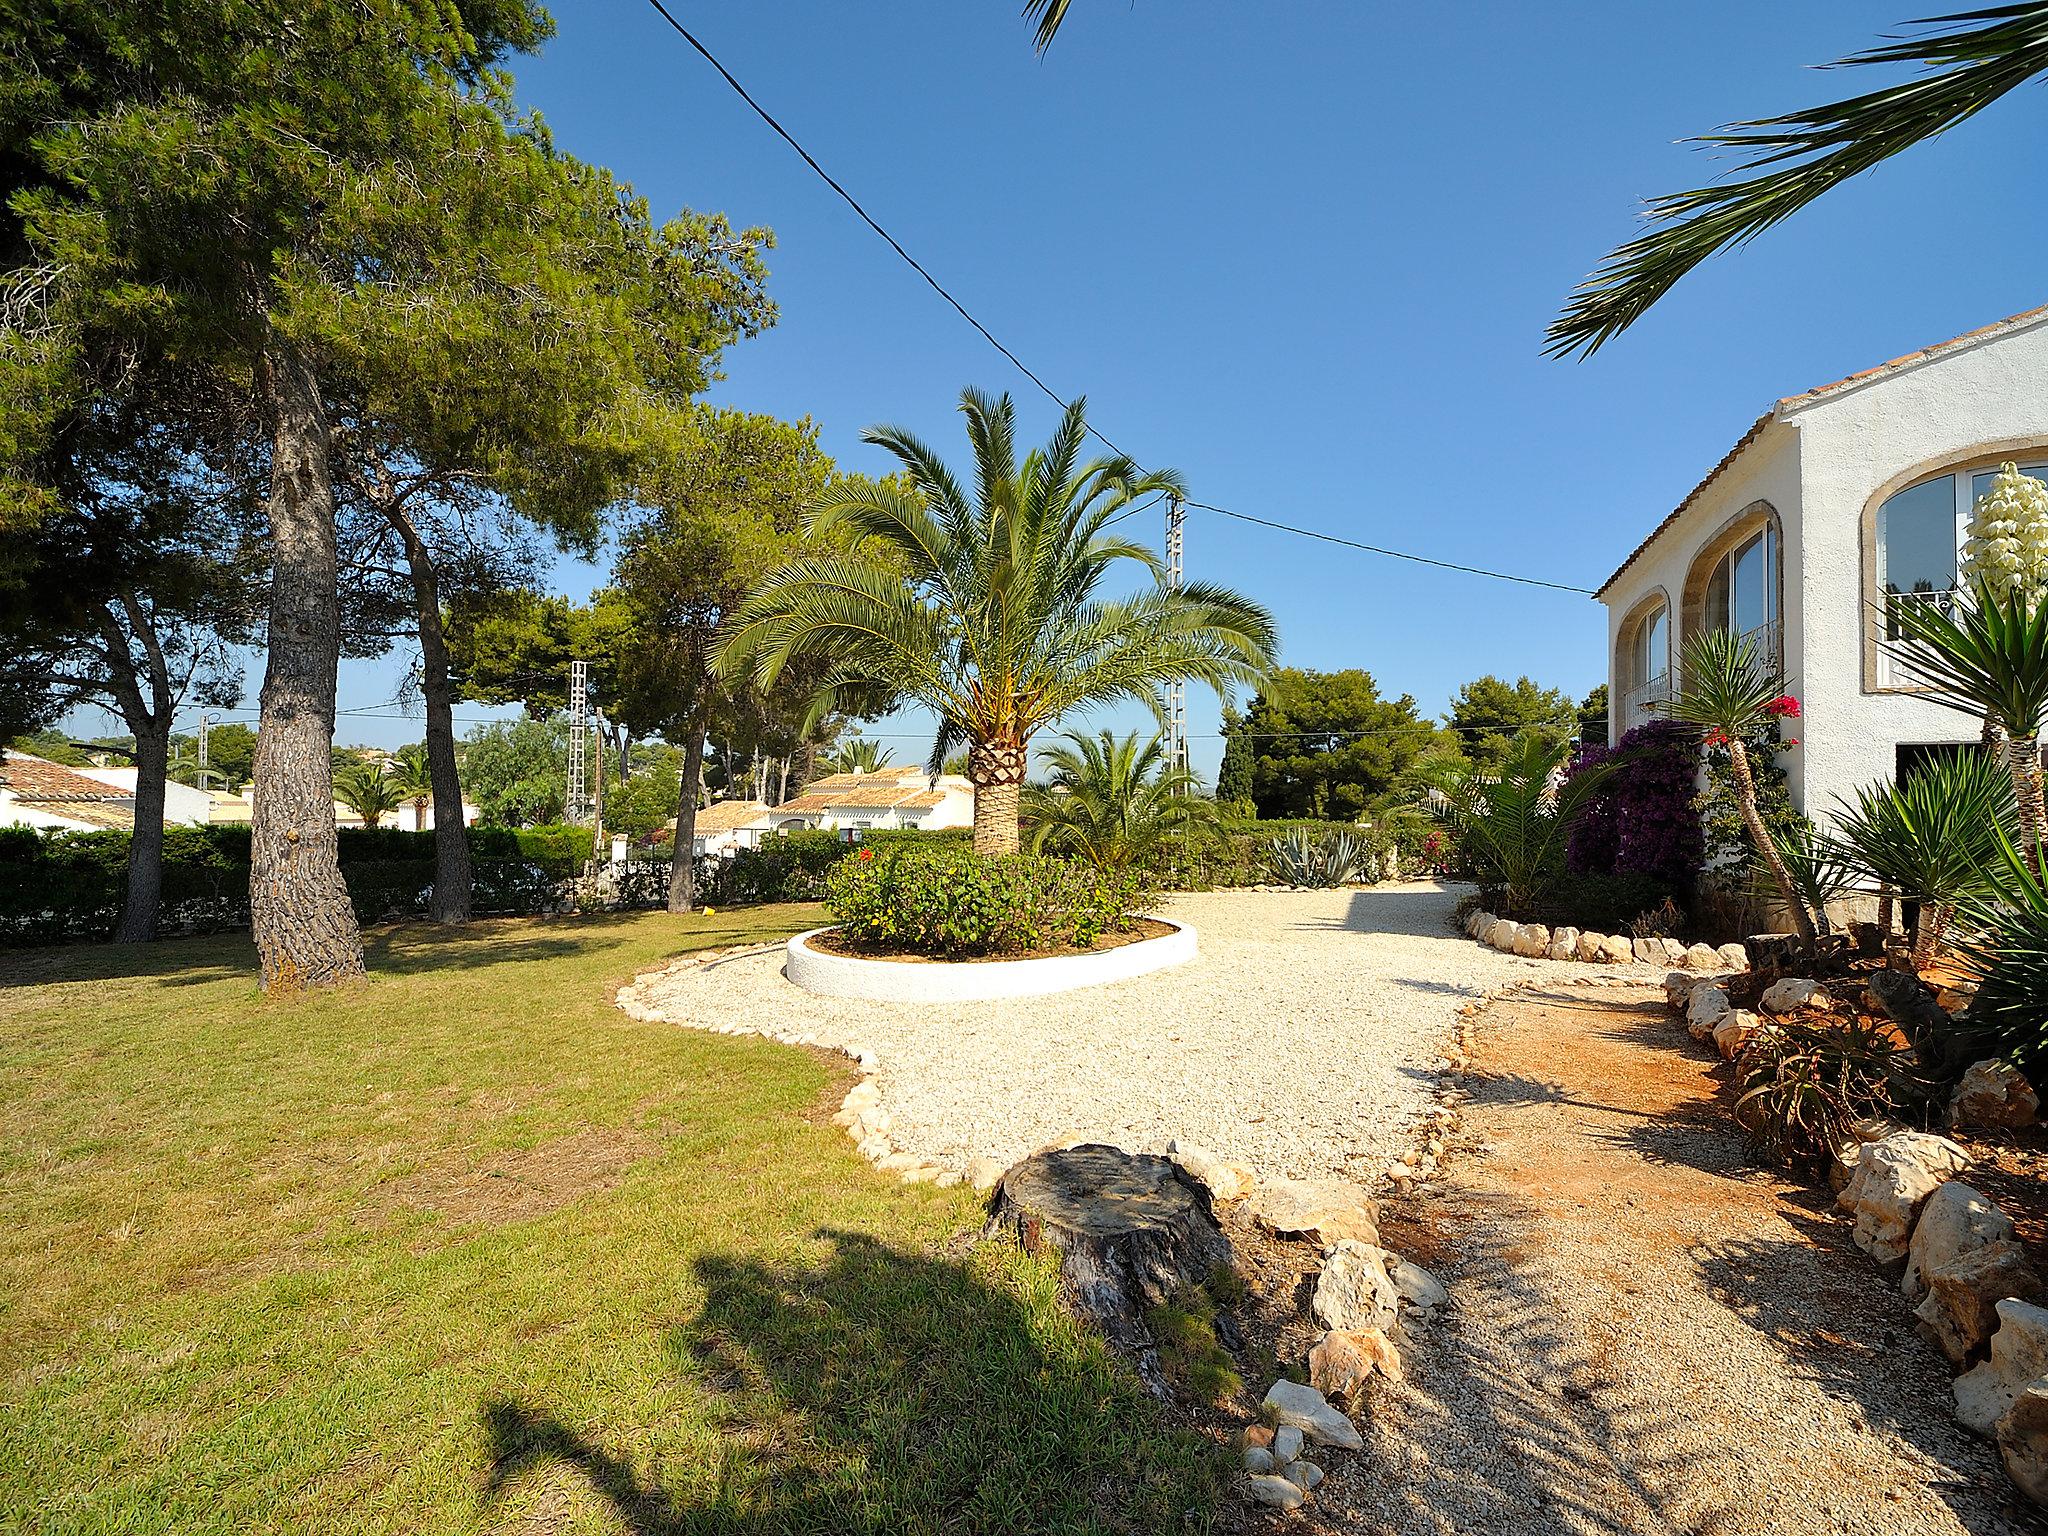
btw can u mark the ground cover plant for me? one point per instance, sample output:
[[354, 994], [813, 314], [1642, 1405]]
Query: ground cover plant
[[464, 1248], [937, 901]]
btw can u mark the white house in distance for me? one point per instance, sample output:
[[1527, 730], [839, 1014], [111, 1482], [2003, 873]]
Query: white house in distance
[[35, 792], [1830, 500], [887, 799], [184, 806]]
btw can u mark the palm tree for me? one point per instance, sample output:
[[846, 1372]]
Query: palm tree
[[1514, 825], [1987, 659], [1048, 14], [858, 756], [1975, 58], [415, 782], [1112, 802], [1728, 690], [987, 611], [1933, 838], [369, 792]]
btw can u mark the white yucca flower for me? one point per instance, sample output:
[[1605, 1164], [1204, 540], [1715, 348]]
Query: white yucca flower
[[2007, 550]]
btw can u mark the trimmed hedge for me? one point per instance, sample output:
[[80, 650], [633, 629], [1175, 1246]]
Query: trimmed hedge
[[930, 901]]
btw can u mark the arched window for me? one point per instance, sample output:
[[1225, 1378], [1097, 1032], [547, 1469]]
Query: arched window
[[1642, 666], [1920, 535], [1742, 591]]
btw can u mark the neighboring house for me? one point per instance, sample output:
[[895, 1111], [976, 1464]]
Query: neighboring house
[[725, 826], [1832, 503], [35, 792], [889, 798], [184, 806], [413, 816]]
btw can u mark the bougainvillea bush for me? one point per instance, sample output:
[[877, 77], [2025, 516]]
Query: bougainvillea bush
[[1643, 821]]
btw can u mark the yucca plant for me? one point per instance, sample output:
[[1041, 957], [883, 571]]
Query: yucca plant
[[2006, 954], [1729, 690], [1514, 825], [1113, 803], [1820, 870], [1336, 857], [987, 610], [1932, 838], [1987, 659]]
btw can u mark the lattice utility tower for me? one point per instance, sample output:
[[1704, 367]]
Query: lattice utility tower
[[1177, 690], [578, 808]]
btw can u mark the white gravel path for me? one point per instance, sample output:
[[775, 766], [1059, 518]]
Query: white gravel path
[[1305, 1041]]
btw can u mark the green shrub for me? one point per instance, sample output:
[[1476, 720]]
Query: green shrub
[[963, 906], [1597, 903], [788, 866]]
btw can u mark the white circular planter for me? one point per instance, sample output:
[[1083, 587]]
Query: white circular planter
[[899, 981]]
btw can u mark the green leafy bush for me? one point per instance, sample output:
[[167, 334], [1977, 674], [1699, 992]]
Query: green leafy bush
[[2007, 955], [963, 907], [787, 866], [1598, 903]]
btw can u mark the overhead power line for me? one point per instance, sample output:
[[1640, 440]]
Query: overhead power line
[[1020, 365]]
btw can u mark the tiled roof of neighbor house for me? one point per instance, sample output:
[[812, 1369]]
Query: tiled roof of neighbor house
[[1794, 402], [923, 802], [730, 815], [57, 791]]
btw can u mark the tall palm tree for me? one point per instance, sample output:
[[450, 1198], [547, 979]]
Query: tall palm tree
[[1987, 659], [1971, 60], [1112, 802], [370, 792], [1730, 691], [1934, 838], [987, 611]]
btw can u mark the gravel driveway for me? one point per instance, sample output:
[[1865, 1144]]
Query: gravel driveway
[[1304, 1041]]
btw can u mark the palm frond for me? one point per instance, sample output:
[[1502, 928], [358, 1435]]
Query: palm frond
[[1976, 57], [1987, 659], [1048, 14]]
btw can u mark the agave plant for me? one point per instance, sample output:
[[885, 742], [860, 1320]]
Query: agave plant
[[1337, 857], [1112, 802], [1987, 659], [1514, 825], [1803, 1086], [1933, 838], [2006, 954]]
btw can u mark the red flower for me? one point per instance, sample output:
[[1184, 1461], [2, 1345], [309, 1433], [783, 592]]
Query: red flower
[[1790, 742], [1784, 706], [867, 853], [1717, 738]]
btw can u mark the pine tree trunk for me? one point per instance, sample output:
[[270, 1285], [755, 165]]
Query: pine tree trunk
[[146, 842], [453, 874], [305, 929], [1745, 799], [2023, 758], [682, 876], [996, 769]]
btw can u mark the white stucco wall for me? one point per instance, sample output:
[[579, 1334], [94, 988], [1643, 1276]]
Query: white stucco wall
[[1858, 445], [183, 805], [1825, 463]]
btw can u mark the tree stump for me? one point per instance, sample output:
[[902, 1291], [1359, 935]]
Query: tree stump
[[1132, 1231]]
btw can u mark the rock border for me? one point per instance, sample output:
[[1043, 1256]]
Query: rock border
[[980, 981], [1533, 941]]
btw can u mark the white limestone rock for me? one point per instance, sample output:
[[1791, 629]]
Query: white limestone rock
[[1615, 949], [1354, 1292], [1960, 1310], [1564, 944], [1891, 1181], [1589, 947], [2019, 1357], [1994, 1096], [1734, 956], [1290, 1402], [1732, 1031], [1790, 994], [1705, 1007], [1955, 1220], [1502, 935], [1702, 957], [1532, 942]]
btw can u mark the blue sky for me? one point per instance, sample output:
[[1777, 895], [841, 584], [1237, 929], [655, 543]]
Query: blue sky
[[1305, 254]]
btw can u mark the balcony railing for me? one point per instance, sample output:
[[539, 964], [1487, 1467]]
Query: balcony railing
[[1641, 705], [1889, 673]]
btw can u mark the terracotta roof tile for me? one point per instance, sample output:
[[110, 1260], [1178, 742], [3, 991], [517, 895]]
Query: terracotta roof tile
[[38, 779], [1794, 402], [731, 815]]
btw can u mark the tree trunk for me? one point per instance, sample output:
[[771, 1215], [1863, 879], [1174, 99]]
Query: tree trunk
[[1928, 926], [1884, 910], [1132, 1232], [996, 770], [2023, 758], [599, 853], [1745, 799], [453, 873], [305, 928], [146, 842], [682, 874]]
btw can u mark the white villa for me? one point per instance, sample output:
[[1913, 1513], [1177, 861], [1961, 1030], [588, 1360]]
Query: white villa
[[887, 799], [1858, 488]]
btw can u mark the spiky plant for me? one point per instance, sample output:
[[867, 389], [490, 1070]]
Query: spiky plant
[[1933, 838], [857, 756], [987, 610], [1729, 690], [1970, 60], [1336, 857], [1819, 869], [1514, 825], [2006, 954], [1112, 802], [1988, 659]]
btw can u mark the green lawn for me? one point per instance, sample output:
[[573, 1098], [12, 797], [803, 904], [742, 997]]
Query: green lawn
[[465, 1249]]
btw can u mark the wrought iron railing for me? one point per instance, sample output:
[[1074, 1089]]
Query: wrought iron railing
[[1889, 673]]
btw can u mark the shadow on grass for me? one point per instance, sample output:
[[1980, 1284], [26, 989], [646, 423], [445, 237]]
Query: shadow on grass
[[180, 962], [884, 1391]]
